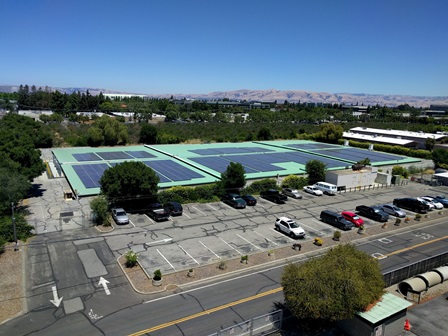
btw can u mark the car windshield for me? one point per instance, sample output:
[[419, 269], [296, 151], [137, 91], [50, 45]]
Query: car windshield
[[121, 213], [293, 225], [355, 217]]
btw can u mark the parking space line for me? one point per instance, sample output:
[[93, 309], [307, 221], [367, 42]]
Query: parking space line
[[166, 259], [266, 238], [283, 235], [199, 211], [214, 209], [183, 213], [150, 219], [248, 242], [210, 250], [131, 223], [188, 254], [230, 246]]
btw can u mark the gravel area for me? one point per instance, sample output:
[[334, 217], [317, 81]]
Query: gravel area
[[11, 289]]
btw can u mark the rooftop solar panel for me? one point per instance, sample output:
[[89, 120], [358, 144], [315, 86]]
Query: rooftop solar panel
[[356, 154], [172, 170], [312, 146], [90, 174], [218, 164], [114, 155], [230, 150], [140, 154], [81, 157]]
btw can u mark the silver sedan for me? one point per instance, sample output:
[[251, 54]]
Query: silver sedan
[[393, 210]]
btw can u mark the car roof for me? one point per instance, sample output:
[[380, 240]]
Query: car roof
[[119, 209], [286, 219], [349, 213]]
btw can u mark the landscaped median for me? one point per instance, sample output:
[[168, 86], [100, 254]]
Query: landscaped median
[[142, 282]]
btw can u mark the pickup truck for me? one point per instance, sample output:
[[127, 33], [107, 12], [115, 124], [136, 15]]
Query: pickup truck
[[157, 212], [274, 196], [412, 204], [373, 212]]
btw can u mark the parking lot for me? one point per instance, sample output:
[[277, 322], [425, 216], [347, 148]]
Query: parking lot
[[211, 232]]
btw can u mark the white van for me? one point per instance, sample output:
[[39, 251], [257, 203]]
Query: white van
[[327, 188]]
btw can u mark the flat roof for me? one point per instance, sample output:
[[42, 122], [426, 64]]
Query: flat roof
[[373, 138], [388, 306], [396, 133], [195, 164]]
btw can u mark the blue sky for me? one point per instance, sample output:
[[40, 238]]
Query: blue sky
[[201, 46]]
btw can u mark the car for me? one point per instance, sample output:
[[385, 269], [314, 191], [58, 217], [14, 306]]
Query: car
[[436, 203], [234, 200], [120, 216], [393, 210], [289, 227], [250, 200], [412, 204], [441, 198], [293, 193], [335, 219], [353, 218], [274, 195], [313, 190], [373, 212], [173, 208], [157, 212], [430, 204]]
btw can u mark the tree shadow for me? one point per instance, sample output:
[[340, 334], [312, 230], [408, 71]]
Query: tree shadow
[[36, 190]]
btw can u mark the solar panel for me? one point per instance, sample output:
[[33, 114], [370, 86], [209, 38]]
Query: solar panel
[[218, 164], [356, 154], [312, 146], [172, 170], [86, 157], [114, 155], [90, 174], [140, 154], [230, 150]]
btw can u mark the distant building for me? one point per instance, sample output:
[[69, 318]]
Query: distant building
[[389, 136]]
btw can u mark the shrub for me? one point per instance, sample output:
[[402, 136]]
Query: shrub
[[318, 241], [157, 275], [399, 170], [257, 186], [222, 265], [131, 258], [2, 244], [294, 182], [337, 235]]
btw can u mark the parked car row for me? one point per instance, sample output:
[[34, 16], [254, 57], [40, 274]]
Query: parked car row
[[155, 211]]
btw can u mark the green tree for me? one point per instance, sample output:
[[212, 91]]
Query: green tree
[[294, 182], [13, 187], [23, 229], [429, 143], [264, 134], [329, 133], [148, 134], [440, 158], [100, 206], [233, 178], [316, 171], [129, 180], [399, 170], [334, 286]]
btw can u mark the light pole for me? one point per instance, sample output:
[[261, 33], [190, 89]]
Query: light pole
[[16, 246]]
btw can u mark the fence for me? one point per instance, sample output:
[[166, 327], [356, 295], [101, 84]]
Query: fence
[[422, 266], [374, 187], [260, 325]]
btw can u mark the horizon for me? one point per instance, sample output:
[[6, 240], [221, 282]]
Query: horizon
[[172, 47]]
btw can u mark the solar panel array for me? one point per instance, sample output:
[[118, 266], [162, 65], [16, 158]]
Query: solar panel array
[[90, 174], [230, 150], [356, 154], [312, 146], [171, 171], [115, 155]]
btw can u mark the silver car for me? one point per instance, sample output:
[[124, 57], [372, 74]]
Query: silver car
[[393, 210], [293, 193], [120, 216]]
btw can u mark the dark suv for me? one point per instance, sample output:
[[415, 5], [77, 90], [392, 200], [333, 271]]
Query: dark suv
[[412, 204], [274, 196], [234, 200], [335, 219], [173, 208]]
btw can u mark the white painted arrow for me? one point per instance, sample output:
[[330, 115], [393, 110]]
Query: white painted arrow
[[103, 282], [56, 300]]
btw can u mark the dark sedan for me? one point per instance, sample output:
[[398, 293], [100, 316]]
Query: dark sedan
[[250, 200]]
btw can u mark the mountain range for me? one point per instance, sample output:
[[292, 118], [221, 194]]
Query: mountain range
[[277, 95]]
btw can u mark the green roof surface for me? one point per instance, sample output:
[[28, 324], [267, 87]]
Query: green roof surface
[[388, 306]]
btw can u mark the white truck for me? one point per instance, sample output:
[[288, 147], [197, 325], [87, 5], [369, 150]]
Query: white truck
[[289, 227]]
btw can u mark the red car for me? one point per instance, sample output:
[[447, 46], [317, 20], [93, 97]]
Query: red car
[[352, 217]]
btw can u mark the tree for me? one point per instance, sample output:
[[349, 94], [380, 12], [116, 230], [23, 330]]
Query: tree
[[264, 134], [429, 143], [234, 177], [13, 188], [316, 171], [329, 133], [294, 182], [440, 158], [130, 179], [334, 286], [148, 134], [399, 170], [99, 206]]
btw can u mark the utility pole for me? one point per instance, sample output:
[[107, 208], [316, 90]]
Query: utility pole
[[16, 246]]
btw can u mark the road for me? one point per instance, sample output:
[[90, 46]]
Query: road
[[88, 310]]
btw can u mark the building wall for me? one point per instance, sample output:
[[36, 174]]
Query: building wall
[[351, 179], [391, 326]]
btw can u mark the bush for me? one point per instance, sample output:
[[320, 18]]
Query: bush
[[399, 170], [157, 275], [257, 186], [131, 258], [337, 235], [294, 182], [2, 244]]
